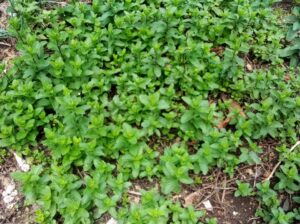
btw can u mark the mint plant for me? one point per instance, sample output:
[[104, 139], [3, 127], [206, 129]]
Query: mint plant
[[175, 165], [106, 94], [292, 50], [288, 178], [243, 189]]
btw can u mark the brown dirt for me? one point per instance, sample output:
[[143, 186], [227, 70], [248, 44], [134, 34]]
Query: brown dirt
[[7, 45], [144, 184], [285, 5], [3, 13], [19, 213], [238, 210], [219, 188]]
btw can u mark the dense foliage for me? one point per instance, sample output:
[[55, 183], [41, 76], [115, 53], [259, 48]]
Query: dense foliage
[[293, 35], [107, 93]]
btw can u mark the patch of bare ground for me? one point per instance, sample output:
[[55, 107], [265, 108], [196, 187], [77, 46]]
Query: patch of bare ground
[[7, 45], [12, 205], [286, 5], [218, 188]]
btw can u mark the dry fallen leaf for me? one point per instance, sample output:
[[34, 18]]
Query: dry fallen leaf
[[218, 50], [136, 200], [266, 174], [250, 171], [287, 77], [234, 106], [224, 123], [192, 142], [189, 200], [134, 196]]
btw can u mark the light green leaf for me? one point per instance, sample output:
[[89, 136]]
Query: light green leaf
[[186, 117]]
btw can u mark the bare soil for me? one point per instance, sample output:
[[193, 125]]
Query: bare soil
[[19, 213], [239, 210], [7, 45]]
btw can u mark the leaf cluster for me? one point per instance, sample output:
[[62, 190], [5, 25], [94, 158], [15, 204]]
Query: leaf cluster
[[101, 92], [293, 48]]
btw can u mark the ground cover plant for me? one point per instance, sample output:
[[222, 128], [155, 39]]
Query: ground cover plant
[[108, 93], [293, 36]]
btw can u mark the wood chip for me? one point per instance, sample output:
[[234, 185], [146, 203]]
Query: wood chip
[[249, 67], [22, 163], [208, 205], [112, 221]]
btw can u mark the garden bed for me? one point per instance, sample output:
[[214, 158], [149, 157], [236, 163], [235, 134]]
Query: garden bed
[[173, 112]]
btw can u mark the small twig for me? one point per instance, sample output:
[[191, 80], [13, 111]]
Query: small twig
[[253, 218], [246, 167], [224, 192], [217, 196], [226, 188], [80, 174], [294, 146], [198, 191], [206, 198], [176, 198], [135, 193], [219, 208], [217, 190], [279, 162], [254, 184], [5, 44], [190, 197]]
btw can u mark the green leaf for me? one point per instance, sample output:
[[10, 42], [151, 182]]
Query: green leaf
[[254, 157], [296, 26], [186, 180], [186, 117], [5, 142], [163, 105], [287, 52], [144, 99], [159, 26], [169, 185], [157, 71]]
